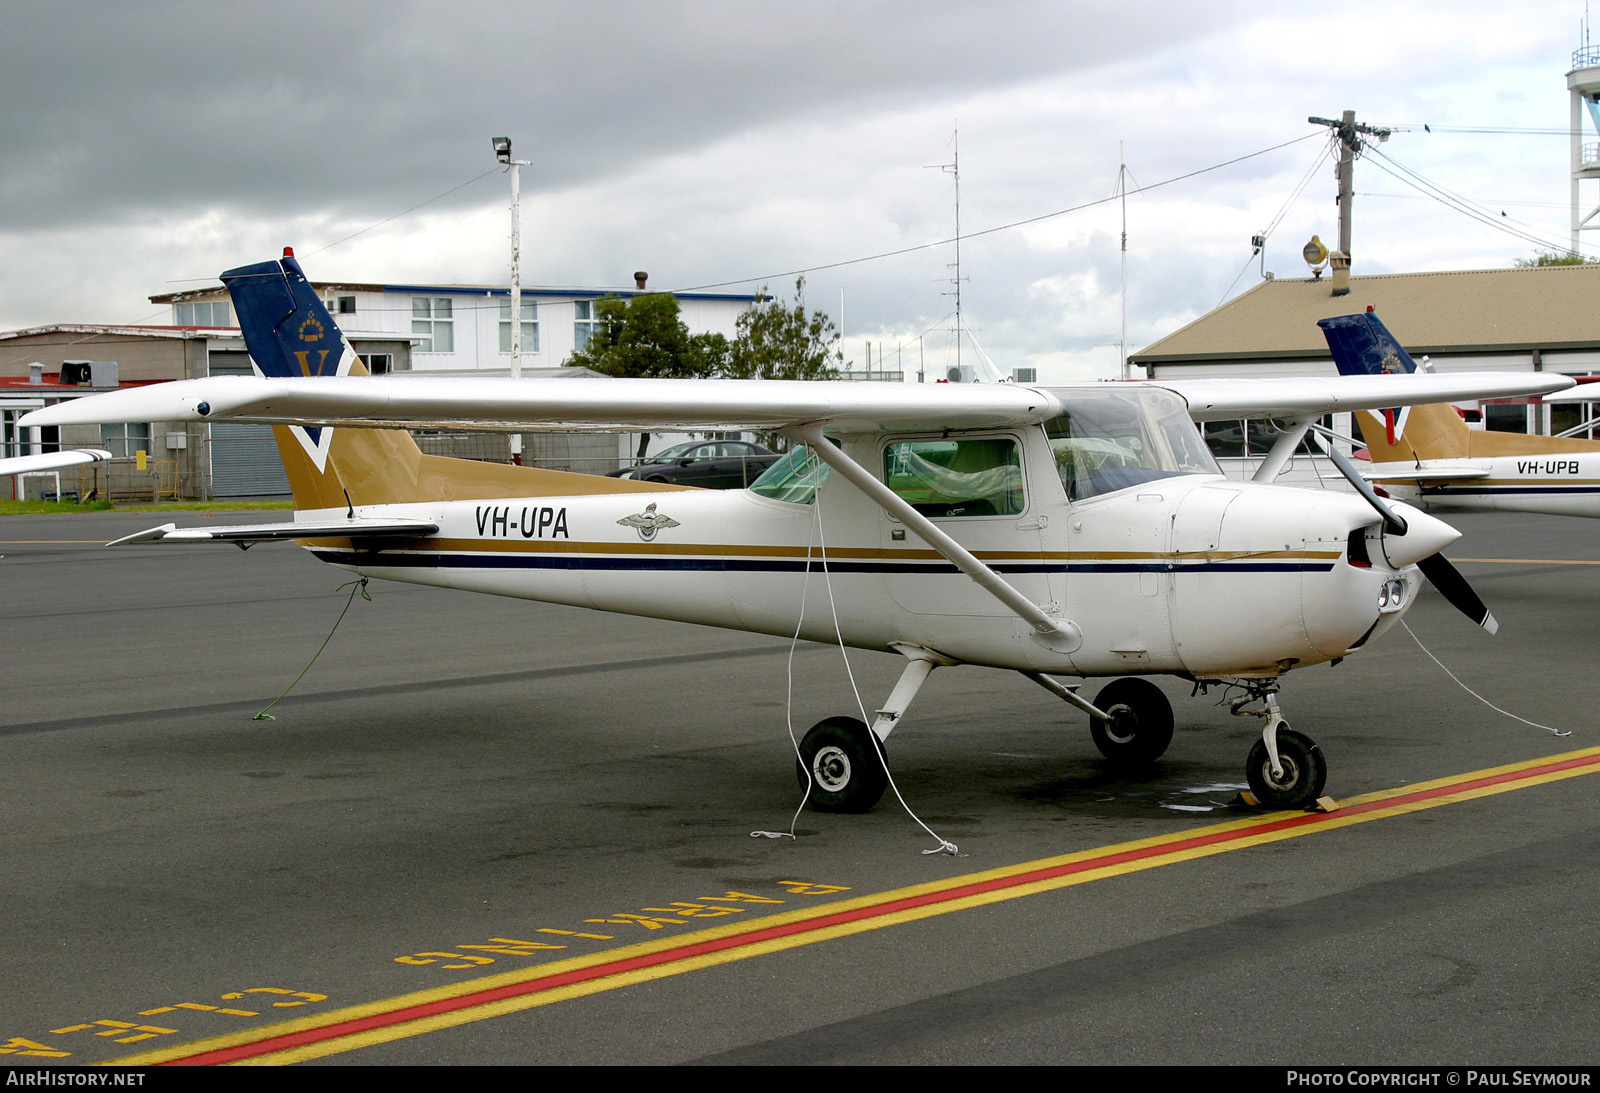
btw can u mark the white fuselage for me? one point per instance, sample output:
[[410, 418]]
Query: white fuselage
[[1557, 483], [1184, 574]]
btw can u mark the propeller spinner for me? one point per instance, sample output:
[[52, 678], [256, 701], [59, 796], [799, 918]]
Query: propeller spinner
[[1415, 538]]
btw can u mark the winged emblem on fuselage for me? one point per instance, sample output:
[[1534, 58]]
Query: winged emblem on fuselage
[[648, 522]]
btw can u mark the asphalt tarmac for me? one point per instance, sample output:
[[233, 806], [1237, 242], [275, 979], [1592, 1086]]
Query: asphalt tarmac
[[466, 793]]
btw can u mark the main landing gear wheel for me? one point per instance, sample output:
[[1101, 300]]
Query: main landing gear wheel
[[1305, 772], [1140, 726], [843, 765]]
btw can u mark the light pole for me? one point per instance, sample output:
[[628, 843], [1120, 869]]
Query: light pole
[[502, 152]]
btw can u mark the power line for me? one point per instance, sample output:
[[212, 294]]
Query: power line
[[1461, 204], [405, 212], [997, 228]]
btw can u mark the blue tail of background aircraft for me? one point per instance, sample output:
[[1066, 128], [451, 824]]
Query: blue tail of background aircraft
[[1362, 345]]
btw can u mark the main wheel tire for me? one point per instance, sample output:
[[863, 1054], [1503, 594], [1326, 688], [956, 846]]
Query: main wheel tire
[[1305, 772], [1140, 727], [843, 765]]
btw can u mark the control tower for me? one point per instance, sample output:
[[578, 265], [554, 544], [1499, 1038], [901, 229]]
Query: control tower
[[1583, 82]]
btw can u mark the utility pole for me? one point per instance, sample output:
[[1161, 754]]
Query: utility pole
[[1349, 134], [953, 168], [502, 152], [1122, 193]]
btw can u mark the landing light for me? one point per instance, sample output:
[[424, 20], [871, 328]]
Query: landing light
[[1392, 594]]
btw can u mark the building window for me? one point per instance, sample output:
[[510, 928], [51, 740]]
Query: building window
[[530, 326], [345, 305], [124, 440], [431, 324], [203, 314], [586, 321], [380, 364], [1252, 438], [1505, 417]]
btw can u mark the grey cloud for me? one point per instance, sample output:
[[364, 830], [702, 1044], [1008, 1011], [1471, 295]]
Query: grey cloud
[[270, 108]]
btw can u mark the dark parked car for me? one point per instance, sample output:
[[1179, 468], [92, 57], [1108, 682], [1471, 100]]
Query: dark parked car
[[716, 464]]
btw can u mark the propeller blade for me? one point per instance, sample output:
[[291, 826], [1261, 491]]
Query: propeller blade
[[1391, 520], [1454, 587]]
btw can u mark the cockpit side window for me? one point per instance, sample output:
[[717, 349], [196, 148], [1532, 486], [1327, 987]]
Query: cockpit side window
[[795, 478]]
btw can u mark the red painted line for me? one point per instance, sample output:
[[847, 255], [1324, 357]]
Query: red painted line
[[760, 934]]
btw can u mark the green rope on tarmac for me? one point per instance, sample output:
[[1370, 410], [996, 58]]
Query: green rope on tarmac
[[354, 586]]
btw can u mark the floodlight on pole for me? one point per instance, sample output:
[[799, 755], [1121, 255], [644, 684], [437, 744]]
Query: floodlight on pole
[[502, 153]]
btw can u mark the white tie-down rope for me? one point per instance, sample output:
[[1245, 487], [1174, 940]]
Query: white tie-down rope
[[1475, 694], [945, 846]]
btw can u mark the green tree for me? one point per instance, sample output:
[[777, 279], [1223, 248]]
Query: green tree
[[776, 341], [644, 336], [1554, 258]]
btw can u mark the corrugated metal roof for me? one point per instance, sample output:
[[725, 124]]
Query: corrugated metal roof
[[1469, 311], [123, 331]]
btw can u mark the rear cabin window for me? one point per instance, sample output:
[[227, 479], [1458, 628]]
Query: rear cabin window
[[962, 477]]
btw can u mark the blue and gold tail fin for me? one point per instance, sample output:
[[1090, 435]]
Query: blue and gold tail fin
[[290, 334]]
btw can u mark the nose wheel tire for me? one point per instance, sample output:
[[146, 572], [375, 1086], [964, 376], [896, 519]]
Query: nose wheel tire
[[1140, 726], [843, 764], [1305, 772]]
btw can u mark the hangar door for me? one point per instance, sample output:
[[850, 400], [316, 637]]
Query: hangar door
[[244, 458]]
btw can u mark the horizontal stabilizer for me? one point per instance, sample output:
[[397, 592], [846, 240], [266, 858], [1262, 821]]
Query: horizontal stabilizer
[[51, 461], [246, 535], [1391, 472]]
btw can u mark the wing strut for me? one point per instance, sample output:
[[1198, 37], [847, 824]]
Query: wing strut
[[1058, 635], [1291, 433]]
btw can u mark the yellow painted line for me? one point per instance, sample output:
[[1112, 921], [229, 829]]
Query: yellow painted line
[[1530, 561], [388, 1020]]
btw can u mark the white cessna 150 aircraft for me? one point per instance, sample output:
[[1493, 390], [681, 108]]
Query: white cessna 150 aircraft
[[1074, 531]]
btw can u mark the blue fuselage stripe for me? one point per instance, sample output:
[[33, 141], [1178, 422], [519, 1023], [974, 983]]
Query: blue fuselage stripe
[[436, 560], [1494, 491]]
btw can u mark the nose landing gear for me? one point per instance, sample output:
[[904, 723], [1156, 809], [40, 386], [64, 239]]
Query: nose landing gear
[[1286, 769]]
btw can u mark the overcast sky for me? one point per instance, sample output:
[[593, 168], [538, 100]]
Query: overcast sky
[[146, 147]]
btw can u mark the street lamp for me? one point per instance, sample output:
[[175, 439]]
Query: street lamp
[[502, 153]]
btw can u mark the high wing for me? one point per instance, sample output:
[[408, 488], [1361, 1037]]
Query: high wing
[[491, 403], [51, 461], [1289, 397], [1583, 392]]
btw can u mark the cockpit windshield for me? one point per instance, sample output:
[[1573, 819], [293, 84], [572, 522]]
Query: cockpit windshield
[[1120, 435]]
